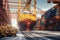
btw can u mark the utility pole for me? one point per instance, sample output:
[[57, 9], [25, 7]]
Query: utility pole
[[18, 10], [34, 7]]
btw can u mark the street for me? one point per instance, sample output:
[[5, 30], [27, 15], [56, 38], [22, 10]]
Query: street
[[29, 19], [34, 35]]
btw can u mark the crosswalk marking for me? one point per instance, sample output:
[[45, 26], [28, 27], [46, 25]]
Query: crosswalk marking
[[33, 35], [48, 32], [20, 35]]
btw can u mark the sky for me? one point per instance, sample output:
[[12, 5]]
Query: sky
[[41, 4]]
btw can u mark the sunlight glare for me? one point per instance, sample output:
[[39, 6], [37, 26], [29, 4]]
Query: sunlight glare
[[14, 23]]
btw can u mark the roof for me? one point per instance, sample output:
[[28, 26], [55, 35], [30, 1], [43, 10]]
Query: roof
[[51, 12]]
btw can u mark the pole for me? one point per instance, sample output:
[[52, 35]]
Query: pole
[[34, 7]]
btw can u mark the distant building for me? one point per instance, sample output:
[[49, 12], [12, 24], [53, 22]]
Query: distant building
[[50, 21]]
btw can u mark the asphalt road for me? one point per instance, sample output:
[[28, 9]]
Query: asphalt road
[[34, 35]]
